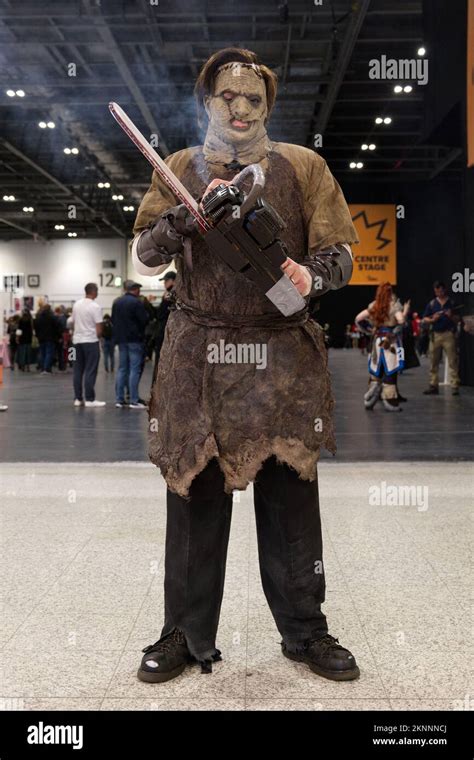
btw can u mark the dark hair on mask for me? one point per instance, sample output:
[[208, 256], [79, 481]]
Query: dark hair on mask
[[205, 81]]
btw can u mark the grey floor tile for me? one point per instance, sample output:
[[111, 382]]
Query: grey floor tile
[[63, 673], [433, 704], [427, 674], [311, 704], [89, 575], [50, 630], [56, 703], [161, 704]]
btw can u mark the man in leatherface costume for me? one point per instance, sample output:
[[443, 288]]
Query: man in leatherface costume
[[216, 426]]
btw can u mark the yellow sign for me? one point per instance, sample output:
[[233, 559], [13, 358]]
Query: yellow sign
[[375, 255]]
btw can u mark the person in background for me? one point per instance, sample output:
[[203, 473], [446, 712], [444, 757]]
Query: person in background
[[25, 339], [129, 318], [150, 329], [442, 321], [60, 314], [108, 345], [416, 329], [410, 358], [68, 338], [348, 337], [386, 315], [47, 331], [12, 326], [162, 314], [86, 321]]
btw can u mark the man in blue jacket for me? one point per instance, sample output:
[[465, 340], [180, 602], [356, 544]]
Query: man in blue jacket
[[129, 319]]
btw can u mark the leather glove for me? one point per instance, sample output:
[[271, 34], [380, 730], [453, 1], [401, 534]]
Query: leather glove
[[166, 237]]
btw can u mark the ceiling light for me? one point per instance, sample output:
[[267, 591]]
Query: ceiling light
[[51, 125], [129, 208], [28, 209], [42, 125], [378, 120], [372, 146], [117, 197], [398, 88], [72, 234], [407, 88], [59, 226], [421, 51], [67, 151], [8, 197], [20, 93], [359, 164], [11, 93], [387, 120], [75, 151], [364, 146], [352, 165]]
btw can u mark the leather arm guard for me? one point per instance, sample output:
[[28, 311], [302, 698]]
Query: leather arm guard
[[330, 268], [165, 238]]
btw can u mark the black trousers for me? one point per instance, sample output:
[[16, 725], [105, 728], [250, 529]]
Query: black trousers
[[86, 365], [289, 547]]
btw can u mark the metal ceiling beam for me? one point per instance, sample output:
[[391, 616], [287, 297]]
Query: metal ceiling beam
[[444, 162], [109, 40], [67, 191], [347, 48], [25, 230]]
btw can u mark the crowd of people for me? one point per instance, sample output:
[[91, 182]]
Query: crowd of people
[[393, 335], [61, 338], [39, 341]]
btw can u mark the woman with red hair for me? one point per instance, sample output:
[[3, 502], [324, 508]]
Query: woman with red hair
[[385, 316]]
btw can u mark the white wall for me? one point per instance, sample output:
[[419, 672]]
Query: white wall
[[65, 266]]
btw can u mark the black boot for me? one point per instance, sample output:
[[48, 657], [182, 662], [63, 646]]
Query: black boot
[[327, 658], [165, 659], [433, 390]]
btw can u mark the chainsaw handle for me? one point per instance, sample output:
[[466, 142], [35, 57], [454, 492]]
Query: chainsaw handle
[[257, 188]]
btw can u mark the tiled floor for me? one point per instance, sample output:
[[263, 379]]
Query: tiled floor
[[82, 574]]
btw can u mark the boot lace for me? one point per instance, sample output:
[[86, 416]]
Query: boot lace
[[167, 644]]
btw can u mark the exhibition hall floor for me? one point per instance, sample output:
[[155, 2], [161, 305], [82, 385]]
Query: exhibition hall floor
[[82, 570], [82, 542], [42, 425]]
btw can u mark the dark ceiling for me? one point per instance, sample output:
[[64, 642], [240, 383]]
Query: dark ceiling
[[145, 55]]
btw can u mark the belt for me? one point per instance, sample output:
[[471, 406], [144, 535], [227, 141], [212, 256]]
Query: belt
[[234, 321]]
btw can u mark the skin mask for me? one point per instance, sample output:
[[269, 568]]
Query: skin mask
[[237, 112]]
